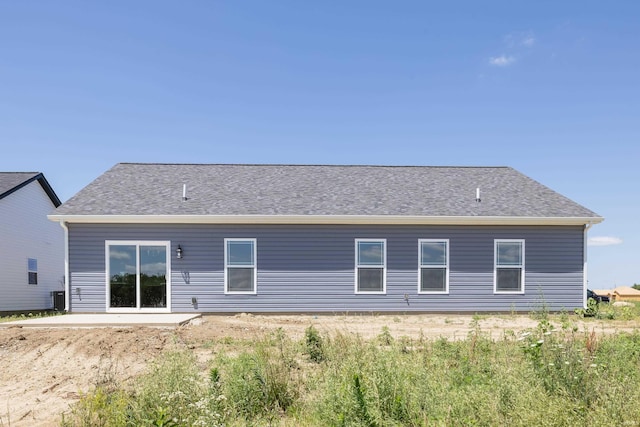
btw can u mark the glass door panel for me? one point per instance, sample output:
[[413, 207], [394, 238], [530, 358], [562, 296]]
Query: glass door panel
[[123, 272], [153, 276]]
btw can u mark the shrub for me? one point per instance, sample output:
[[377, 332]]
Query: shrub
[[314, 344]]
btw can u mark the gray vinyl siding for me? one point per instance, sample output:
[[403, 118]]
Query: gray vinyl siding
[[310, 268]]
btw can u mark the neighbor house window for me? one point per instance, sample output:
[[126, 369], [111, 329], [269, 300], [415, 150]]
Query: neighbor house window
[[240, 266], [434, 265], [371, 260], [509, 266], [32, 271]]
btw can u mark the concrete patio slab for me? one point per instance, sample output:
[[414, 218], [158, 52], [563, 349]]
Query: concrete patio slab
[[97, 320]]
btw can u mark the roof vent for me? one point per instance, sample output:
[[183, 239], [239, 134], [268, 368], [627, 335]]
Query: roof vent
[[184, 192], [478, 195]]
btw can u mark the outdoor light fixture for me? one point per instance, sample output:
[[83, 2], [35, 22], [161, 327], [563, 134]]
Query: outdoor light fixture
[[179, 252]]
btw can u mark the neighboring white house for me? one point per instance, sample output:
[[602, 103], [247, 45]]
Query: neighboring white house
[[31, 246]]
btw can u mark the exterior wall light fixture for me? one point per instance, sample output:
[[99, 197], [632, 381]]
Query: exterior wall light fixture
[[179, 252]]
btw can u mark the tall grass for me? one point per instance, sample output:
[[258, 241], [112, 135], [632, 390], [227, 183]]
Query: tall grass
[[173, 392], [540, 377], [261, 383]]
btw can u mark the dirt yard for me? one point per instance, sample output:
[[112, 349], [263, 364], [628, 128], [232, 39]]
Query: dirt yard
[[44, 370]]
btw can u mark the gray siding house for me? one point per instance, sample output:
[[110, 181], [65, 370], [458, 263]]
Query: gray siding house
[[313, 238]]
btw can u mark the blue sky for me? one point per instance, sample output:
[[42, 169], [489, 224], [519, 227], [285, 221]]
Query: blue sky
[[550, 88]]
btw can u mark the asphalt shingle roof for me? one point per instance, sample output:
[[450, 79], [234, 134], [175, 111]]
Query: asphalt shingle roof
[[10, 180], [229, 189]]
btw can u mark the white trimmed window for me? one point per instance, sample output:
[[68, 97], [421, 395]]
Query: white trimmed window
[[32, 271], [434, 266], [509, 266], [371, 265], [240, 273]]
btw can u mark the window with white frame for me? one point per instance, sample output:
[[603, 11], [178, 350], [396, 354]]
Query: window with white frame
[[434, 265], [371, 263], [509, 266], [32, 271], [240, 266]]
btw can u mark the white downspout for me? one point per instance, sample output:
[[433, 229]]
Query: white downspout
[[584, 268], [67, 289]]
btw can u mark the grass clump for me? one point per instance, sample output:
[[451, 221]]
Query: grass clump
[[261, 383], [11, 317], [100, 408], [175, 391]]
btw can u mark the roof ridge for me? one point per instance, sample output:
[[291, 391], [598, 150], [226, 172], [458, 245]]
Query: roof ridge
[[315, 165], [20, 172]]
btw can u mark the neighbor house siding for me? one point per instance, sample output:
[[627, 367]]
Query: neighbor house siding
[[27, 233], [307, 268]]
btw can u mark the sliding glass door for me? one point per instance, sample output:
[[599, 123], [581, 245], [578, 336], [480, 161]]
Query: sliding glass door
[[137, 276]]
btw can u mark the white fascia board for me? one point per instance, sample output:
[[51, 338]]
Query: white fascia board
[[324, 219]]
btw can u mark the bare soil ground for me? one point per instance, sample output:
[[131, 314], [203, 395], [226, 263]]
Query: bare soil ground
[[45, 370]]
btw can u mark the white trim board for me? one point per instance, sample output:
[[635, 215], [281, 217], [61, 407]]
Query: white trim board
[[323, 219]]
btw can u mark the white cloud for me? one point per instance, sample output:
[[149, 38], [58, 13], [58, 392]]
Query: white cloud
[[502, 60], [516, 46], [604, 241], [528, 41]]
